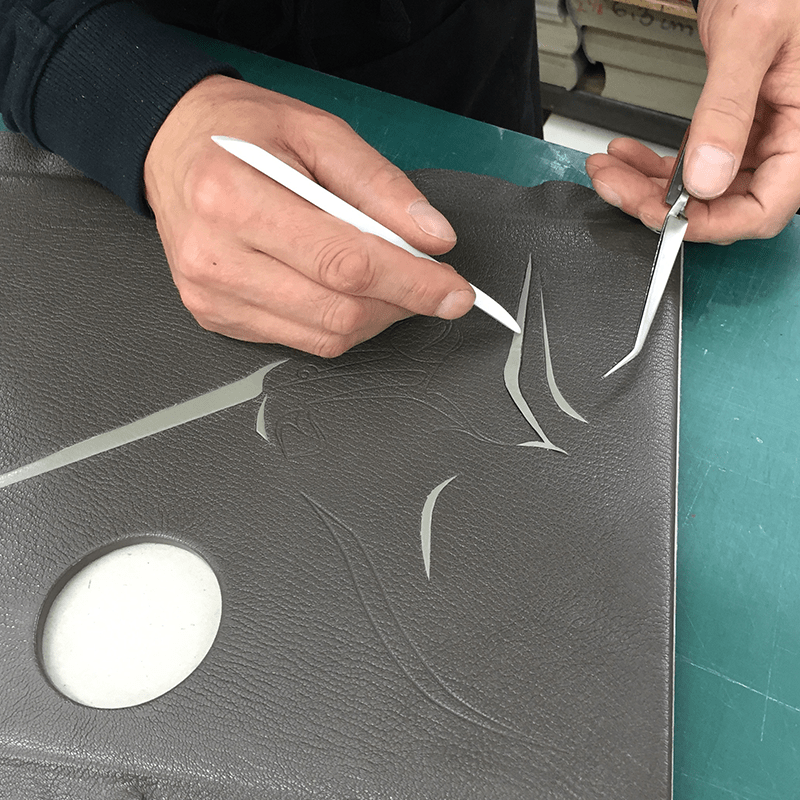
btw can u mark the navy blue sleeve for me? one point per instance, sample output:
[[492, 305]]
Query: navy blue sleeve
[[93, 81]]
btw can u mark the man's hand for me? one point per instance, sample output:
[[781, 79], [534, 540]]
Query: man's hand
[[253, 261], [743, 154]]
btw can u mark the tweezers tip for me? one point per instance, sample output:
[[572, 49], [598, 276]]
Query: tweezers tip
[[628, 358]]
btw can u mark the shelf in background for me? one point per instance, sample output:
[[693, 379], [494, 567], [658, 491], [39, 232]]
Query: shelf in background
[[582, 105]]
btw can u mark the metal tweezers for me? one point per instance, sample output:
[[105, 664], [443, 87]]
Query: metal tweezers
[[669, 245]]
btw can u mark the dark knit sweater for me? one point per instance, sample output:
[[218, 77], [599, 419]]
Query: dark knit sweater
[[92, 80]]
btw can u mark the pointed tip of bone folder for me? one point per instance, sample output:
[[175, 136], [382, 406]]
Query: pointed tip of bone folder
[[494, 310]]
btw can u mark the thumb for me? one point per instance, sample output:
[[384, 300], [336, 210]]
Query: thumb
[[737, 63], [349, 167]]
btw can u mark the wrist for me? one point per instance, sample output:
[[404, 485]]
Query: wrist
[[182, 132]]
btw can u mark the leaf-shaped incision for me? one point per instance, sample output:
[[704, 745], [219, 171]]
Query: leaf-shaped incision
[[561, 401], [211, 402], [426, 524], [514, 365], [261, 424]]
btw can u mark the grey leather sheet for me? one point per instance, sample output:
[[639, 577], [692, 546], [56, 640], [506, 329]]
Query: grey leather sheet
[[535, 658]]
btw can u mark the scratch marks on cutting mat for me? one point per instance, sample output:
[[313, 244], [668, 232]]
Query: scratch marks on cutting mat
[[425, 525], [232, 394], [766, 695], [395, 640]]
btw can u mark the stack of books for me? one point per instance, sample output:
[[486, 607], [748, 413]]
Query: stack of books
[[561, 60], [679, 8], [650, 51]]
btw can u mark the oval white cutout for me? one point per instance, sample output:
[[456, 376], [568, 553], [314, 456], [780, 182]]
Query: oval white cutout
[[131, 625]]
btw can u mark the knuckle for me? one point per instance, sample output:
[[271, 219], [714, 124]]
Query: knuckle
[[343, 315], [330, 124], [310, 129], [735, 108], [390, 178], [383, 178], [329, 345], [768, 229], [193, 261], [345, 266], [210, 191], [423, 294], [199, 305]]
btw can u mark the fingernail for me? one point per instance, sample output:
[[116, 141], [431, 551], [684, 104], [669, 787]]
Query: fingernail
[[709, 171], [456, 304], [431, 221], [651, 225], [608, 194]]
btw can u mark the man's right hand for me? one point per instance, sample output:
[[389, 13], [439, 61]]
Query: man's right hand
[[253, 261]]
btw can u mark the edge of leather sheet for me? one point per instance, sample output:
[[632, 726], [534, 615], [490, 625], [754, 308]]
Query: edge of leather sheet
[[19, 158]]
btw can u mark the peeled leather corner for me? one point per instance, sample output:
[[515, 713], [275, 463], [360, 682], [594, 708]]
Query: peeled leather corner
[[534, 662]]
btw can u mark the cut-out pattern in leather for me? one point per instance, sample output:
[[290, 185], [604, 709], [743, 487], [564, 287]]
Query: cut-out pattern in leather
[[514, 365], [232, 394], [427, 522], [561, 401]]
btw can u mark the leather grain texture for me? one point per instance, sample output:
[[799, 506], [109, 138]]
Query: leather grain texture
[[535, 662]]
